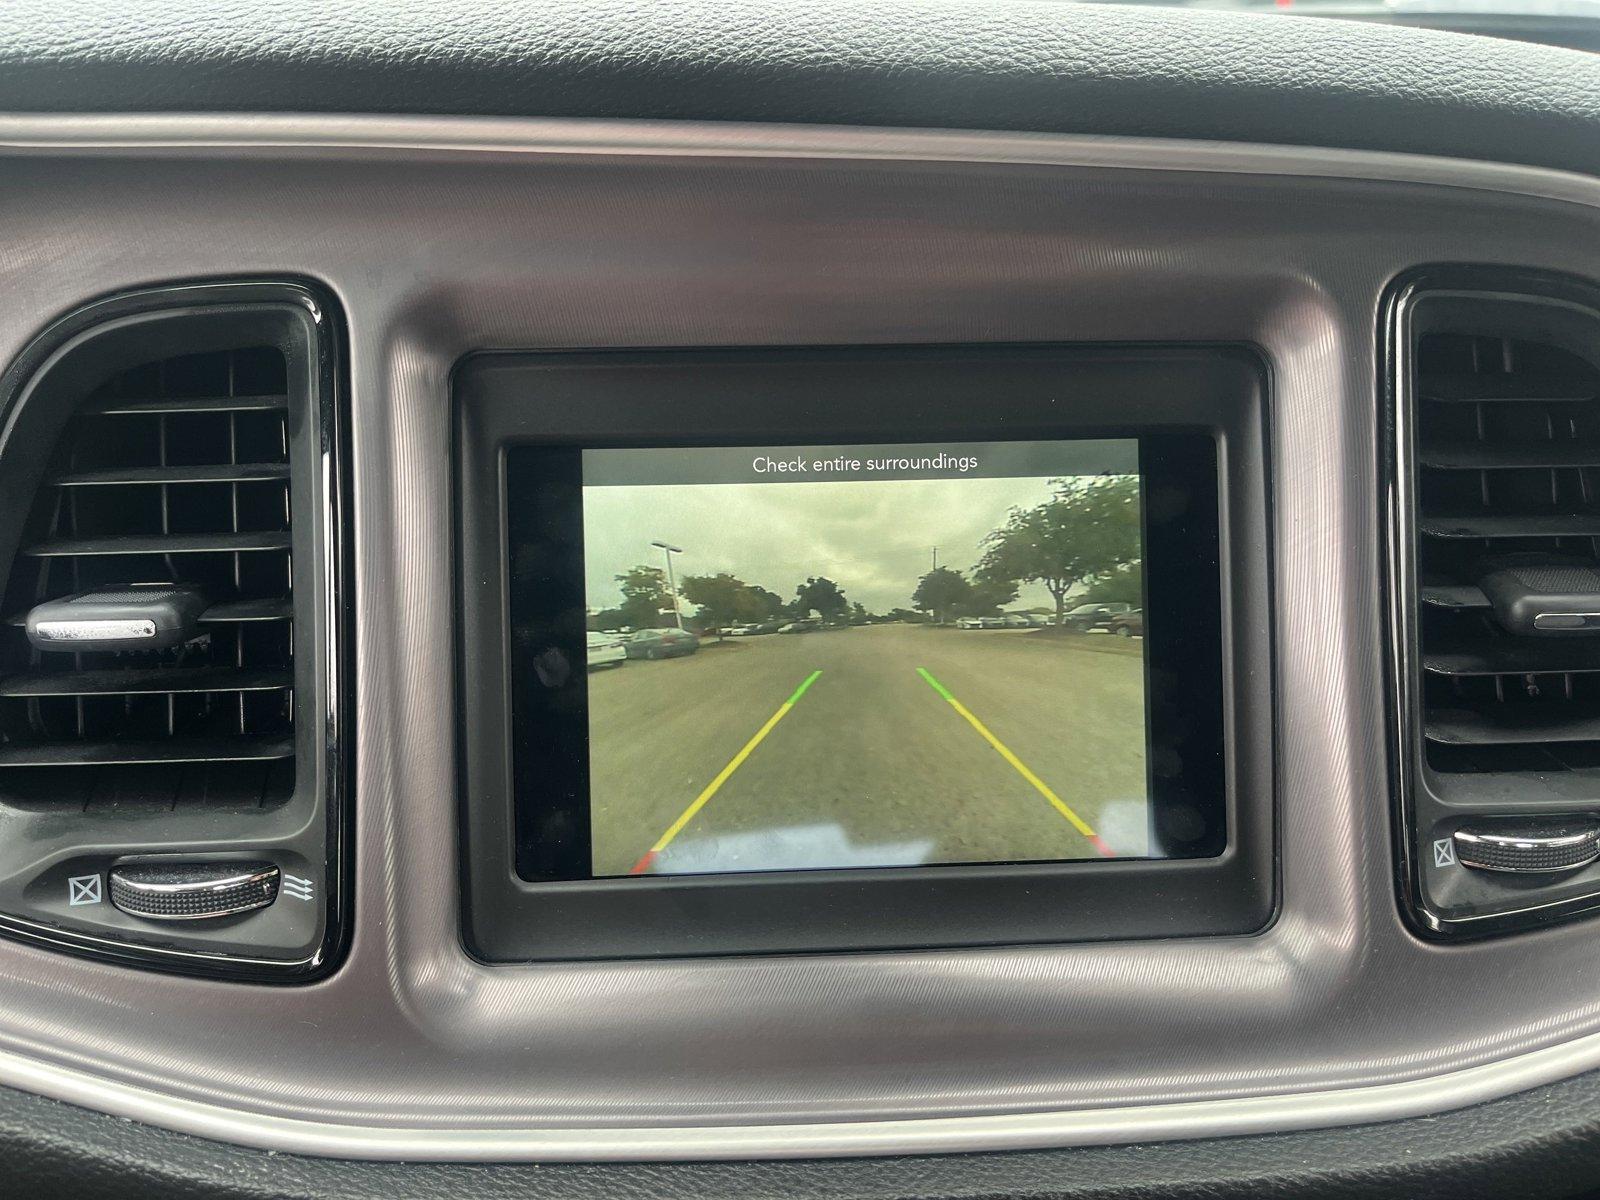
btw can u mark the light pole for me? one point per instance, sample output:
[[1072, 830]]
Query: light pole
[[667, 551]]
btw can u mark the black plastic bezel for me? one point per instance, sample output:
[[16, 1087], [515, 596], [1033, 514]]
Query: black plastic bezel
[[797, 397]]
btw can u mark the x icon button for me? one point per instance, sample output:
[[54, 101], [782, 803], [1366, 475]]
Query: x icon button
[[83, 889]]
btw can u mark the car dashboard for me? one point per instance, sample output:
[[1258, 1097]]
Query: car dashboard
[[382, 301]]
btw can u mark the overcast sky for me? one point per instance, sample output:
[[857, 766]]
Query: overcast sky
[[874, 539]]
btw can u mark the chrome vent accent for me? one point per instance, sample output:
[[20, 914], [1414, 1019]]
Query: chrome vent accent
[[175, 472], [1506, 450]]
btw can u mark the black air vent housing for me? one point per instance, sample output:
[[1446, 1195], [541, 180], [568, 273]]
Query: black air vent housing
[[178, 439], [1496, 496]]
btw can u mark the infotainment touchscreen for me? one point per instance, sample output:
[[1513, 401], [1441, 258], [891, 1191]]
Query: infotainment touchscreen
[[864, 656], [780, 658]]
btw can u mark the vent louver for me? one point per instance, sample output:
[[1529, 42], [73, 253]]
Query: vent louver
[[174, 472], [1507, 477]]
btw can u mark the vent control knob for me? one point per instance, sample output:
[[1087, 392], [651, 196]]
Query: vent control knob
[[193, 891], [1545, 598], [1528, 848], [136, 618]]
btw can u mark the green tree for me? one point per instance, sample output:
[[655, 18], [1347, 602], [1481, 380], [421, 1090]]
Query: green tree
[[716, 595], [859, 614], [758, 604], [986, 597], [608, 619], [1125, 585], [727, 600], [906, 615], [941, 593], [1089, 529], [644, 596], [821, 595]]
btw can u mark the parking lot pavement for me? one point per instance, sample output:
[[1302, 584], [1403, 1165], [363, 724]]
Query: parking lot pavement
[[1006, 746]]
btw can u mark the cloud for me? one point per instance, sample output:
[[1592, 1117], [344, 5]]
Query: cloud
[[874, 539]]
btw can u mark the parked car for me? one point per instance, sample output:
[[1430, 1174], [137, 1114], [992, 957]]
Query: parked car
[[662, 643], [739, 630], [1128, 624], [604, 650], [970, 623], [806, 626], [1093, 616]]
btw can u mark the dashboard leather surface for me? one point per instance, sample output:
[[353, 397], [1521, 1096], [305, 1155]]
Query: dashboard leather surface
[[1544, 1144], [975, 64]]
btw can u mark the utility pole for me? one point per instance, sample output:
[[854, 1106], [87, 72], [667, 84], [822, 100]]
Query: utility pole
[[667, 552], [936, 558]]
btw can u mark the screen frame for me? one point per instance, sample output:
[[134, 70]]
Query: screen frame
[[701, 398]]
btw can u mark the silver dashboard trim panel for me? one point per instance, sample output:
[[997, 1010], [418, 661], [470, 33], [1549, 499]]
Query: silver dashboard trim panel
[[332, 135], [842, 1139], [427, 1054]]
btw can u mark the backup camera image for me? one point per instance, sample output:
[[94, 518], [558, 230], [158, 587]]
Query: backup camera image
[[864, 656]]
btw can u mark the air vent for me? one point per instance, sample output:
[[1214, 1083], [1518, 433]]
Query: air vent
[[170, 646], [173, 473], [1494, 573], [1507, 460]]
